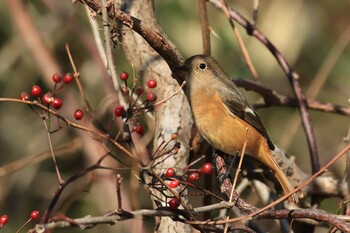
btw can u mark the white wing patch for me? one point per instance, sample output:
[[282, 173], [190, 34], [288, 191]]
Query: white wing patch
[[249, 110]]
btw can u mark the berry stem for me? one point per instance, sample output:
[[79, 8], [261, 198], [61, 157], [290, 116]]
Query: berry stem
[[28, 221], [80, 86], [194, 162], [60, 181]]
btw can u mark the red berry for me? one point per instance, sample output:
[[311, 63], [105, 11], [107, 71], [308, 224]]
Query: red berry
[[194, 176], [47, 98], [170, 172], [119, 111], [207, 168], [125, 90], [34, 215], [152, 83], [57, 77], [68, 78], [4, 219], [151, 96], [139, 129], [24, 96], [174, 183], [124, 76], [174, 203], [57, 103], [78, 114], [36, 90], [139, 90]]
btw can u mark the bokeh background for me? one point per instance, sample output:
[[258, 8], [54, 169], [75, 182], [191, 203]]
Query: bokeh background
[[314, 36]]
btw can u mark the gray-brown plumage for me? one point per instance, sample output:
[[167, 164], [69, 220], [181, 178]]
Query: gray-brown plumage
[[224, 117]]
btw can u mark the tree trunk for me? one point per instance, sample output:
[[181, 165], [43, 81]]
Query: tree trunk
[[174, 116]]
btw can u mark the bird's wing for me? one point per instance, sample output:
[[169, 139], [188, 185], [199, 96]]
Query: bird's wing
[[237, 104]]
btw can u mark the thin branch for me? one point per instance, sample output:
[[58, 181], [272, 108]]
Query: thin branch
[[80, 86], [119, 196], [259, 213], [58, 192], [237, 173], [52, 151], [273, 98], [65, 149], [91, 221], [205, 28], [75, 125], [109, 55], [152, 37], [244, 50], [316, 85]]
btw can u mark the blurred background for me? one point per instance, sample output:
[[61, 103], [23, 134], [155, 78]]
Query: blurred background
[[314, 37]]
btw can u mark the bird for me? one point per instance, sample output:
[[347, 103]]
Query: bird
[[224, 117]]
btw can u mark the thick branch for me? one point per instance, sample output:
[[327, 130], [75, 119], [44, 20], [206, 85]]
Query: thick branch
[[152, 37]]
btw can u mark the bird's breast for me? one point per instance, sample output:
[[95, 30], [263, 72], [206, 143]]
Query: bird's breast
[[223, 130]]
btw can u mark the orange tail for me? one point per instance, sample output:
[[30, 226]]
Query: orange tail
[[287, 187]]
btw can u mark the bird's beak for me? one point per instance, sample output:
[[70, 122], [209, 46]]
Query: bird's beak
[[182, 68], [181, 72]]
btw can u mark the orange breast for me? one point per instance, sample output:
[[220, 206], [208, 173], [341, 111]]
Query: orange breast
[[222, 130]]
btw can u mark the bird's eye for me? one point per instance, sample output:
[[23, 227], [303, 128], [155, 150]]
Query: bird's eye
[[202, 66]]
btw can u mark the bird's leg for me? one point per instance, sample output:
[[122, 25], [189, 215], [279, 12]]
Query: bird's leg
[[226, 172], [233, 161]]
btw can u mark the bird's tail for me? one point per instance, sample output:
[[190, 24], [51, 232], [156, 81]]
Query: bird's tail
[[280, 175], [286, 185]]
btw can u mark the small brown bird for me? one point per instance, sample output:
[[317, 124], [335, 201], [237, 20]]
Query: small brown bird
[[224, 117]]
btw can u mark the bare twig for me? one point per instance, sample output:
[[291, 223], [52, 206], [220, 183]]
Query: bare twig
[[205, 28], [68, 148], [153, 38], [244, 50], [29, 33], [258, 213], [316, 84], [255, 10], [109, 55], [64, 183], [237, 173], [77, 79], [73, 124], [119, 196], [91, 221], [52, 151], [273, 98]]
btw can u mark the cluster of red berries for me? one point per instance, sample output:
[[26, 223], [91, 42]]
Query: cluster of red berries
[[138, 89], [34, 215], [192, 177], [49, 98], [151, 97]]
